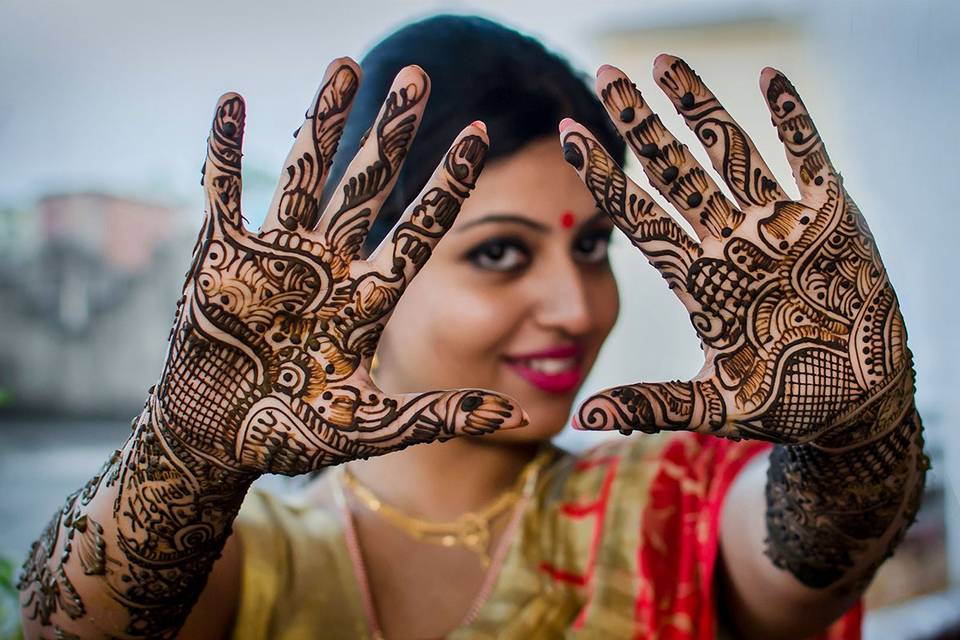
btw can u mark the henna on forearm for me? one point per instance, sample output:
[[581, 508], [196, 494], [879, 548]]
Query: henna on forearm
[[267, 367], [173, 512], [148, 528], [838, 508]]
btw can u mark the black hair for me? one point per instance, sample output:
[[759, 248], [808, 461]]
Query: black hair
[[479, 70]]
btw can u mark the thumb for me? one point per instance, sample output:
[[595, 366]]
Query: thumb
[[695, 405], [406, 419]]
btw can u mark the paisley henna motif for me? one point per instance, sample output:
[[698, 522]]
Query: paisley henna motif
[[804, 342], [267, 367]]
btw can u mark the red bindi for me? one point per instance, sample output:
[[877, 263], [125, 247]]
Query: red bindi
[[566, 219]]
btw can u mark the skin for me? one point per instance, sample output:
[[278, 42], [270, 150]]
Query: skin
[[771, 585], [266, 370], [804, 345], [562, 293], [514, 278]]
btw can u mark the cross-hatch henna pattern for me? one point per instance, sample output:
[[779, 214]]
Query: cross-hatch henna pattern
[[804, 342], [267, 367]]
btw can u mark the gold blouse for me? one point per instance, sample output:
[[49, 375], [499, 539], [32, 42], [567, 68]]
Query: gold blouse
[[617, 543]]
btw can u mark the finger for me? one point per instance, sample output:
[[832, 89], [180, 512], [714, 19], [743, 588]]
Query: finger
[[412, 240], [386, 423], [373, 172], [221, 170], [731, 150], [651, 229], [805, 151], [662, 406], [296, 202], [668, 163]]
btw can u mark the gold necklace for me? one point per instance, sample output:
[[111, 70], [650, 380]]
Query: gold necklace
[[470, 530]]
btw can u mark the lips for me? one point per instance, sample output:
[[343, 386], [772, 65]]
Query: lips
[[556, 370]]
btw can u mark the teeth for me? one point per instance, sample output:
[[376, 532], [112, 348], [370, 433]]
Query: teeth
[[551, 366]]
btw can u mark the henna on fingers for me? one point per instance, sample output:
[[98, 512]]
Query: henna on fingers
[[803, 337], [266, 369]]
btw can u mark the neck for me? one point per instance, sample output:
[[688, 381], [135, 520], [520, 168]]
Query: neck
[[442, 480]]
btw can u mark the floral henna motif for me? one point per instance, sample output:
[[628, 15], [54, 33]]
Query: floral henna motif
[[265, 371], [267, 367], [804, 342]]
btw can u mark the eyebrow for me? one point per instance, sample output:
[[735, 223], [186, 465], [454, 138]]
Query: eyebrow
[[505, 217], [521, 220], [597, 216]]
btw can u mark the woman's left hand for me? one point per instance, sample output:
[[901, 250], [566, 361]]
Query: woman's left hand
[[801, 329]]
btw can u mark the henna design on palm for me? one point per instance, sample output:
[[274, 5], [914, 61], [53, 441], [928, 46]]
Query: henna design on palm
[[267, 367], [800, 326], [268, 362], [803, 337]]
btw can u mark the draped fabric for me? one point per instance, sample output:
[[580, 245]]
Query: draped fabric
[[620, 542]]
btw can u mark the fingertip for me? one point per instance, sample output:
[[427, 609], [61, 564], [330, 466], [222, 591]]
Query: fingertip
[[606, 75], [607, 68], [228, 119], [344, 61], [767, 74], [524, 418], [416, 71], [565, 124], [481, 125], [663, 60], [230, 96], [575, 423], [340, 66], [518, 417]]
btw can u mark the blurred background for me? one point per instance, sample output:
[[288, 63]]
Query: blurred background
[[104, 112]]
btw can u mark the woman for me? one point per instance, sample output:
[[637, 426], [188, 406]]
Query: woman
[[498, 534]]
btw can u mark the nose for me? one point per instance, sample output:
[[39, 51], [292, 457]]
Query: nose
[[563, 297]]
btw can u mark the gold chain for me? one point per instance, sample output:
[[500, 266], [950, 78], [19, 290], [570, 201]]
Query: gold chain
[[470, 530]]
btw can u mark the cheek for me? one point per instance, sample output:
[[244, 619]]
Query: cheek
[[452, 329], [604, 300]]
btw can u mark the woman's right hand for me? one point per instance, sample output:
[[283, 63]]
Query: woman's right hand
[[268, 365]]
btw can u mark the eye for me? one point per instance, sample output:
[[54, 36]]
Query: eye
[[591, 247], [500, 254]]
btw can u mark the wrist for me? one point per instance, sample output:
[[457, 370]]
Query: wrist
[[834, 510], [160, 430]]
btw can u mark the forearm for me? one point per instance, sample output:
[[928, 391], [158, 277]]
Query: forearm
[[128, 554], [804, 532], [834, 514]]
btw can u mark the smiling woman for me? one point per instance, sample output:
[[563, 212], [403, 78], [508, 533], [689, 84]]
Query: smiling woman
[[309, 343]]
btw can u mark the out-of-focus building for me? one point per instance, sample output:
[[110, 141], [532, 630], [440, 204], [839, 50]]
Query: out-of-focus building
[[88, 296]]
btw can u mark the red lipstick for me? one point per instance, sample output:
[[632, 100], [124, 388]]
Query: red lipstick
[[555, 370]]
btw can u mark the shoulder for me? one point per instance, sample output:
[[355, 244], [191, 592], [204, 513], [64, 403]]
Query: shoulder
[[639, 492], [286, 542], [274, 524], [630, 525]]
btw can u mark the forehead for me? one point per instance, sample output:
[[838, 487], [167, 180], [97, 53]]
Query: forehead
[[534, 182]]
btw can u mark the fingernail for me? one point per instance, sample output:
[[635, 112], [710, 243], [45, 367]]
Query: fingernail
[[605, 67], [576, 423], [518, 422], [566, 122], [662, 58], [479, 125]]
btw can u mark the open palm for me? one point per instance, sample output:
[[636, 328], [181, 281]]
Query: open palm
[[802, 333], [268, 363]]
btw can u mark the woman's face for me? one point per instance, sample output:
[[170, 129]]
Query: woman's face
[[518, 297]]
